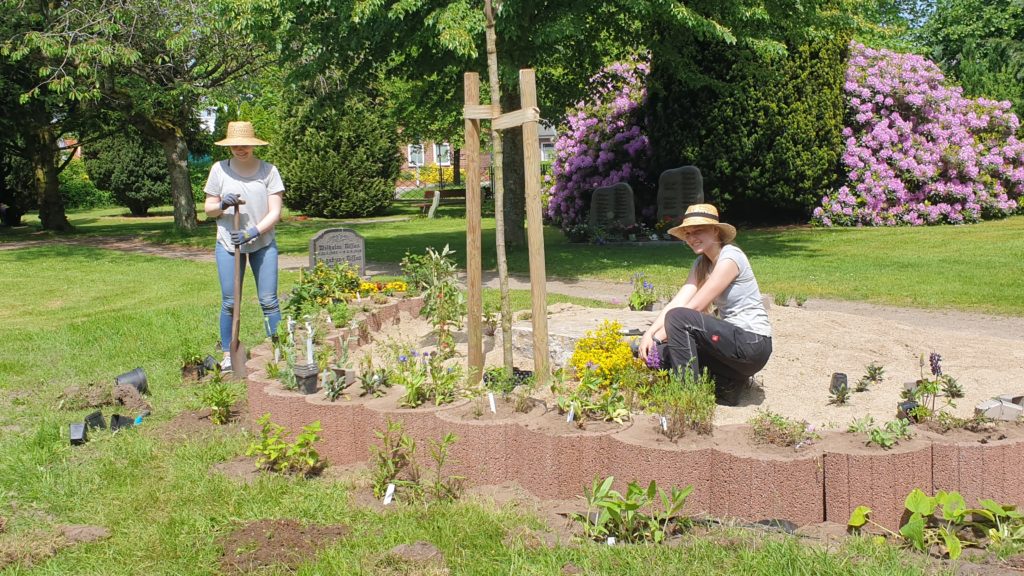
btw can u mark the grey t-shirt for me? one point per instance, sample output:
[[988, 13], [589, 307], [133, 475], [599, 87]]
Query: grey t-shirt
[[740, 304], [255, 190]]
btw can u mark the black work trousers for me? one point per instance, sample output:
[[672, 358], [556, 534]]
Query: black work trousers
[[731, 354]]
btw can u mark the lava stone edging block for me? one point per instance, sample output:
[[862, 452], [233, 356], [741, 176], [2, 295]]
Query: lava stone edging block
[[759, 487], [979, 471], [878, 479]]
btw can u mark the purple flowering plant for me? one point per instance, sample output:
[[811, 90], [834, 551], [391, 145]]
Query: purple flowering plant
[[918, 151], [603, 143], [643, 294]]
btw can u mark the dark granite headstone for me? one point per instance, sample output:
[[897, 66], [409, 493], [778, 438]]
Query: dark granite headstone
[[612, 204], [338, 245], [679, 188]]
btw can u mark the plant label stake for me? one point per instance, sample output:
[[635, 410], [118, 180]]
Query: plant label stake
[[611, 540], [266, 325], [572, 413], [389, 494], [277, 354], [309, 344], [291, 326], [490, 398], [237, 350], [664, 424]]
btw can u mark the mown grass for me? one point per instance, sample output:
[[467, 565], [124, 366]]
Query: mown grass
[[75, 315], [976, 268]]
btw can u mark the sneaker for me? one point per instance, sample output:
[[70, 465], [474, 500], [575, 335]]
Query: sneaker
[[225, 364]]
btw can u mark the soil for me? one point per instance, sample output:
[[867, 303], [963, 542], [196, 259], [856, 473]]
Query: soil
[[284, 543]]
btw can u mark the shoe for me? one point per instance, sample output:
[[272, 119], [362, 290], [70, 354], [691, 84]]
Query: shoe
[[225, 364]]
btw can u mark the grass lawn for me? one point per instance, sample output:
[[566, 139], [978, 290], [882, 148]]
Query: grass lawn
[[75, 315], [976, 268]]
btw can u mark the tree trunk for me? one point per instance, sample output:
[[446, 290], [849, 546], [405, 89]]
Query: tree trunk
[[515, 186], [497, 186], [51, 203], [176, 150]]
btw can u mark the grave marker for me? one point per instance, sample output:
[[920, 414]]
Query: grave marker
[[612, 204], [336, 246], [678, 189]]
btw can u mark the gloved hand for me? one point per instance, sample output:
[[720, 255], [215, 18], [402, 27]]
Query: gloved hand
[[240, 237], [228, 200]]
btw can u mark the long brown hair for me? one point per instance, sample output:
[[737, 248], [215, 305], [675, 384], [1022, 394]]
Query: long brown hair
[[704, 264]]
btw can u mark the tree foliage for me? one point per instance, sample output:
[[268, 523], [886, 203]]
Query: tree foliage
[[339, 161], [132, 168]]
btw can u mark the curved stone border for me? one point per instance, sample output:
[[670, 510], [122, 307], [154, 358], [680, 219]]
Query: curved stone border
[[818, 484]]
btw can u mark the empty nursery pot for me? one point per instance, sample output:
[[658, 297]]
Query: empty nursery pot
[[96, 421], [117, 422], [210, 364], [839, 381], [903, 410], [78, 434], [306, 376], [136, 378]]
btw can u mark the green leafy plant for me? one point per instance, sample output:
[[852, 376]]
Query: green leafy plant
[[490, 318], [780, 299], [436, 276], [219, 396], [686, 402], [840, 396], [444, 488], [890, 434], [861, 425], [873, 374], [767, 427], [273, 453], [444, 380], [643, 294], [372, 381], [591, 399], [394, 460], [632, 517], [273, 370]]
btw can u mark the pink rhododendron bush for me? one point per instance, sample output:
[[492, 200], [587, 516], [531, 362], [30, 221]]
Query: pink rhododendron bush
[[604, 143], [919, 152]]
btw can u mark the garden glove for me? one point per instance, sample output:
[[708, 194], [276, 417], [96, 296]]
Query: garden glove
[[239, 237], [228, 200]]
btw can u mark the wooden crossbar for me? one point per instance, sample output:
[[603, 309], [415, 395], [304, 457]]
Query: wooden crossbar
[[516, 118]]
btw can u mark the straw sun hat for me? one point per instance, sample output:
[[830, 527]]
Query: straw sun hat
[[703, 215], [241, 134]]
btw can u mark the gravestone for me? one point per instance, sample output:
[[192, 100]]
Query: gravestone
[[679, 188], [336, 246], [612, 204]]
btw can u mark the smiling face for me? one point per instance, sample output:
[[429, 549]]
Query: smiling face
[[701, 239], [242, 153]]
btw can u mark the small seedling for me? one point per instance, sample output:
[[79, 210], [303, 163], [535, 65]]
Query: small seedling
[[840, 396]]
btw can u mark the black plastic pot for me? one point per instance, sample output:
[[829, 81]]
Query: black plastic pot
[[78, 434], [96, 421], [136, 378], [210, 364], [904, 408], [839, 381], [117, 422], [306, 376]]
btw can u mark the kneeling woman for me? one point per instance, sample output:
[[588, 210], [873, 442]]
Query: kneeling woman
[[735, 344]]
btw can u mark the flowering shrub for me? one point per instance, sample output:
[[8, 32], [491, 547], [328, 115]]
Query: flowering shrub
[[605, 142], [603, 352], [918, 151]]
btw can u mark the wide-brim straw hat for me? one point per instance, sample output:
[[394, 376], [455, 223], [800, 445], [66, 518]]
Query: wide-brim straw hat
[[704, 215], [241, 134]]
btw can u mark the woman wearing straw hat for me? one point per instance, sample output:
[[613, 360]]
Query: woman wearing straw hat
[[734, 345], [253, 188]]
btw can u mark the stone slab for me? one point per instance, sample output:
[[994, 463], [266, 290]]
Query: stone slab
[[567, 326]]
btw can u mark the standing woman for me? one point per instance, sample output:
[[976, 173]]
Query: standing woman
[[735, 344], [254, 188]]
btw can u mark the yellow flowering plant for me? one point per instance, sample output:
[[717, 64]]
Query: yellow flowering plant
[[604, 352]]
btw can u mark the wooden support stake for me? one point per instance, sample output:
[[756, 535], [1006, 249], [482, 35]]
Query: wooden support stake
[[474, 264], [535, 228]]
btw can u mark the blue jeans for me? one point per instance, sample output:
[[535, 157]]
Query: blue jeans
[[264, 270]]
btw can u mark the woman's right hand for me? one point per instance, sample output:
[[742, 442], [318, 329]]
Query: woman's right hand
[[228, 200], [646, 343]]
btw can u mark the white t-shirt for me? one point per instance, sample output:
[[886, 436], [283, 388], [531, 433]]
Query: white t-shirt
[[255, 190], [740, 304]]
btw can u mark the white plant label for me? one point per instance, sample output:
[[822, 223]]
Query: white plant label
[[389, 495], [490, 398], [329, 321], [611, 540], [572, 413], [664, 424], [277, 355]]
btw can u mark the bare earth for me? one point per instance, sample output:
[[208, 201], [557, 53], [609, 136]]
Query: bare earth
[[985, 354]]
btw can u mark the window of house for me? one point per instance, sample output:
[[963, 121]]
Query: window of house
[[443, 154], [415, 155], [547, 151]]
